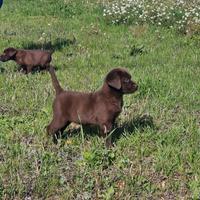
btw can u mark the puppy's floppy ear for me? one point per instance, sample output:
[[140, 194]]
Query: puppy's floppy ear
[[114, 80], [10, 52]]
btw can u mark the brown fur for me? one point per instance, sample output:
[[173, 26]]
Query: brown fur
[[27, 59], [99, 108]]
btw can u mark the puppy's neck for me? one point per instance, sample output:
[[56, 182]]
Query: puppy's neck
[[112, 97], [111, 92]]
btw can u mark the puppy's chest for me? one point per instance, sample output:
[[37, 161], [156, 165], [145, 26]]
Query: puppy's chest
[[115, 107], [19, 60]]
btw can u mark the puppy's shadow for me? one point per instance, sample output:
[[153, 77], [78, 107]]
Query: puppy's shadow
[[138, 123], [58, 44], [77, 129], [41, 70]]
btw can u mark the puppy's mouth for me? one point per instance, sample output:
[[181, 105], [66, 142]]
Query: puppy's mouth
[[133, 88], [4, 58]]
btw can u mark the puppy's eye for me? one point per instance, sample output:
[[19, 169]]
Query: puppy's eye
[[126, 80]]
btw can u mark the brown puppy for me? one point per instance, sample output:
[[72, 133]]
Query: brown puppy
[[27, 59], [98, 108]]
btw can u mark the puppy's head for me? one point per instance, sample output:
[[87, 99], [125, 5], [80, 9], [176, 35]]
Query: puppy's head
[[120, 80], [8, 54]]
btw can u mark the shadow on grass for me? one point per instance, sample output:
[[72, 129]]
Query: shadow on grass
[[138, 123], [58, 44], [35, 70]]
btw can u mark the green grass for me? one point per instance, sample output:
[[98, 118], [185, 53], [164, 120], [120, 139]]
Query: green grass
[[157, 154]]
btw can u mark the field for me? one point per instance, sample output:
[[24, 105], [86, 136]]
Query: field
[[157, 145]]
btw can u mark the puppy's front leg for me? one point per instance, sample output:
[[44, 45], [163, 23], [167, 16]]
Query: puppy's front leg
[[22, 69], [28, 69], [105, 129]]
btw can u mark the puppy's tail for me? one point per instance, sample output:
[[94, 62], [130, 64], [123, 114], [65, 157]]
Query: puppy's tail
[[55, 82]]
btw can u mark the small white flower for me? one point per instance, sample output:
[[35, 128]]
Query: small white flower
[[142, 10], [40, 39]]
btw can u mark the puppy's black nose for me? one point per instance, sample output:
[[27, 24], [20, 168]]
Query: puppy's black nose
[[136, 86]]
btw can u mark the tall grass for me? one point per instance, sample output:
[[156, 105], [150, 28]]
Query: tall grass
[[181, 14]]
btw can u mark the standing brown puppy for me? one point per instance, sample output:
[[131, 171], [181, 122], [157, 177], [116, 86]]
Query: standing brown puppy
[[99, 108], [27, 59]]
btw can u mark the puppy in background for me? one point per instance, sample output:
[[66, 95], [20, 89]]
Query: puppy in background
[[99, 108], [27, 59]]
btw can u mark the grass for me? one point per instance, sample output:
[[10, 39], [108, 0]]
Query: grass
[[157, 153]]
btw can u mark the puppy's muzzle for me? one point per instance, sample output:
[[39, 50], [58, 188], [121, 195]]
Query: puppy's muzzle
[[3, 58]]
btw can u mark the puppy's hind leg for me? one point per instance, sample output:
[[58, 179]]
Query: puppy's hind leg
[[105, 129], [45, 67], [59, 134], [56, 129]]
